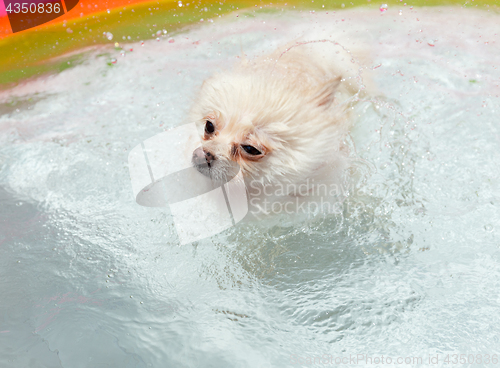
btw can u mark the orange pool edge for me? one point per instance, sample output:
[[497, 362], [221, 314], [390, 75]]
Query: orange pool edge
[[83, 9]]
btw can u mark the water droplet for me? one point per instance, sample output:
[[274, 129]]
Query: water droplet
[[122, 53], [164, 31], [142, 43], [431, 43], [113, 61], [171, 40], [117, 44], [108, 11], [400, 12], [488, 227], [157, 38], [179, 3], [109, 35], [69, 30], [383, 8]]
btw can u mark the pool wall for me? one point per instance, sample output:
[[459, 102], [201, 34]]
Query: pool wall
[[60, 43]]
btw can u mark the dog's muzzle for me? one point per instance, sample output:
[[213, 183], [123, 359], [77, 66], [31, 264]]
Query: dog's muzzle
[[203, 161], [209, 165]]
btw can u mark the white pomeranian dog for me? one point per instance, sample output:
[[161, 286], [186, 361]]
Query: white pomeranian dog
[[282, 120]]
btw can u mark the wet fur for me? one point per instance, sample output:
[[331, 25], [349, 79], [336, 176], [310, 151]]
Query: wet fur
[[293, 105]]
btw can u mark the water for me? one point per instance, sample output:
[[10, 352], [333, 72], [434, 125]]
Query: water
[[90, 279]]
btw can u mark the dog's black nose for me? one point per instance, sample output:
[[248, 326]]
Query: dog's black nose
[[202, 156]]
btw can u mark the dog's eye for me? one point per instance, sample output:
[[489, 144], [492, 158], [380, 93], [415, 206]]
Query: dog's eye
[[251, 150], [209, 127]]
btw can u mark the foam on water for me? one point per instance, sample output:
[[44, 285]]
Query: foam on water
[[89, 278]]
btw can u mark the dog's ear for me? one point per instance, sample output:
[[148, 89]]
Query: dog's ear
[[326, 92]]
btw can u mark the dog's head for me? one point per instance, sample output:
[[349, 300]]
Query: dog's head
[[275, 127], [230, 144]]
